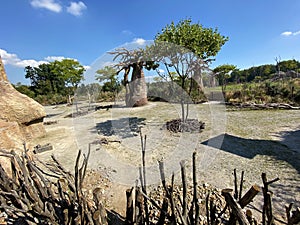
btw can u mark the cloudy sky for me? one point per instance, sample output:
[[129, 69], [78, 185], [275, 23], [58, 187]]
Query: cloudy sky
[[38, 31]]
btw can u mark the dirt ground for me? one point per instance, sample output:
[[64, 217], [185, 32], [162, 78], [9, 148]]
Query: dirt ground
[[250, 141]]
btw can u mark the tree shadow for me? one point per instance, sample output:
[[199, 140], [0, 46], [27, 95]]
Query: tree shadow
[[249, 148], [291, 139], [123, 127]]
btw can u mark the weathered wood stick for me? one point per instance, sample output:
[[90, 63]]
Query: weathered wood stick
[[162, 174], [236, 209], [129, 207], [184, 190], [195, 186], [249, 196], [241, 185], [267, 207], [236, 193], [163, 212]]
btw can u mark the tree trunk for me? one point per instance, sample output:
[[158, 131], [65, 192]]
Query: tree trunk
[[199, 80], [137, 88]]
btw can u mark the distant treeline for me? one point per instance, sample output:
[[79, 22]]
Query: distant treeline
[[289, 68]]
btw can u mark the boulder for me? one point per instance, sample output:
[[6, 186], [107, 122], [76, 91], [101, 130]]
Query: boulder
[[21, 118]]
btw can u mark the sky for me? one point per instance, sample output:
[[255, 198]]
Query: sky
[[39, 31]]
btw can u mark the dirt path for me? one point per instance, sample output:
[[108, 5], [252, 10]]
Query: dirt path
[[253, 141]]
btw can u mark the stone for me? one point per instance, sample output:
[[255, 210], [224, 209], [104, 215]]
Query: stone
[[21, 118]]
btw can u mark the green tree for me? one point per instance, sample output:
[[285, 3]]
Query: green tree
[[222, 74], [70, 71], [108, 74], [58, 77], [188, 49]]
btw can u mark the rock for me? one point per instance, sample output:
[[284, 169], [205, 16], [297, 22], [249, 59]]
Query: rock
[[21, 118]]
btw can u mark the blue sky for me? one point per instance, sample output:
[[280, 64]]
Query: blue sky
[[37, 31]]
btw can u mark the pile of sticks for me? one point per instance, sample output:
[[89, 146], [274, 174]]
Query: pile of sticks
[[45, 193], [190, 125], [187, 208]]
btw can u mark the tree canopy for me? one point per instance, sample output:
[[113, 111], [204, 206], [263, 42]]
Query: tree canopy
[[203, 42], [187, 48], [58, 77], [108, 75], [222, 74]]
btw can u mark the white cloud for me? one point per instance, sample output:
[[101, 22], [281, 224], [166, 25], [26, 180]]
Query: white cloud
[[14, 60], [289, 33], [53, 58], [51, 5], [296, 33], [76, 8], [139, 41]]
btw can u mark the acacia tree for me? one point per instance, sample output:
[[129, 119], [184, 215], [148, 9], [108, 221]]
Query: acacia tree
[[108, 74], [134, 61], [188, 49], [222, 74]]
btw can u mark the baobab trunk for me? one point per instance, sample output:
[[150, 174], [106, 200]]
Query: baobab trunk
[[199, 81], [136, 90]]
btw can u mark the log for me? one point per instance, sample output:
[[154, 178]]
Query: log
[[249, 196], [236, 209]]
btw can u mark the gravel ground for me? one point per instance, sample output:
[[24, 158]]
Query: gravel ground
[[250, 141]]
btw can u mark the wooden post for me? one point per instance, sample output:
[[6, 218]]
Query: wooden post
[[236, 194], [267, 207], [129, 207], [184, 191], [195, 186], [236, 209], [248, 197], [241, 185]]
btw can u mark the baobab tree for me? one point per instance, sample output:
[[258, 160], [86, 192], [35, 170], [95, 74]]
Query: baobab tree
[[133, 61]]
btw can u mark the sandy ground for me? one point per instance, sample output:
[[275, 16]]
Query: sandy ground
[[250, 141]]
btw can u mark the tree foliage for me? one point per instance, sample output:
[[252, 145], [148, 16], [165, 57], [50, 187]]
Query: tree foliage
[[203, 42], [108, 75], [187, 49], [222, 74], [287, 68], [55, 78]]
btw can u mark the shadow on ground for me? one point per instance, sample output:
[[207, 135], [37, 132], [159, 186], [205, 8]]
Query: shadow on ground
[[123, 127], [249, 148], [291, 139]]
